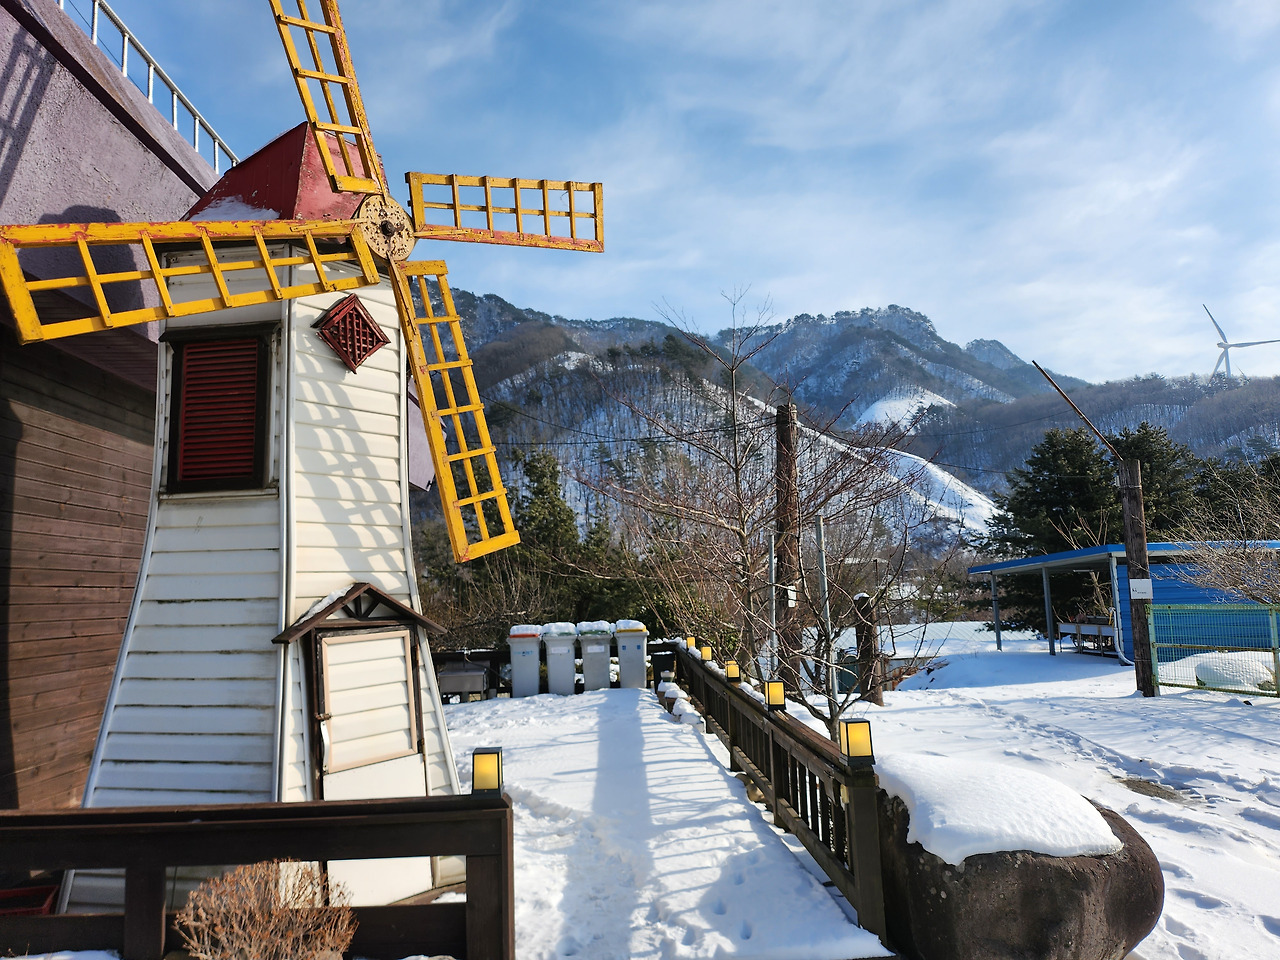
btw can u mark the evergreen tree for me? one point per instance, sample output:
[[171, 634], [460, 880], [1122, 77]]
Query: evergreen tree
[[1066, 498]]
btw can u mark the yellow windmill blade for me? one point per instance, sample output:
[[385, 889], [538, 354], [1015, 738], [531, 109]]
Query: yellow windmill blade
[[88, 288], [560, 214], [355, 168], [476, 511]]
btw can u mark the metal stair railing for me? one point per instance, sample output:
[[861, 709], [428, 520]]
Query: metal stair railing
[[130, 42]]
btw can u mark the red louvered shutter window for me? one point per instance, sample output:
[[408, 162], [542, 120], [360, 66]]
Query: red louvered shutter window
[[218, 437]]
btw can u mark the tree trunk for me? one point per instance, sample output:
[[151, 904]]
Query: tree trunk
[[870, 663]]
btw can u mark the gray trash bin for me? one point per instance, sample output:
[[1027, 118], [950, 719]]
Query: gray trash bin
[[632, 637], [560, 639], [525, 641], [595, 637]]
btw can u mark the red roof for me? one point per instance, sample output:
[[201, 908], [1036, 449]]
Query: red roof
[[285, 178]]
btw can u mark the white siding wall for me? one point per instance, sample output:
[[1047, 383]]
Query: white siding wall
[[199, 712], [192, 713], [348, 501]]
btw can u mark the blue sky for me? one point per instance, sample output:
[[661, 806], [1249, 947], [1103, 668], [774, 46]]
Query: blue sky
[[1071, 178]]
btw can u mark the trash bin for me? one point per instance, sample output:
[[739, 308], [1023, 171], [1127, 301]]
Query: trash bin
[[595, 637], [525, 641], [632, 638], [560, 638]]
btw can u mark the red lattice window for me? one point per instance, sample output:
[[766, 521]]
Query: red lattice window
[[218, 423], [353, 334]]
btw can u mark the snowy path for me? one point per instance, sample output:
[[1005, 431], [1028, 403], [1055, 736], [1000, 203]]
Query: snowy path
[[633, 841], [1198, 774]]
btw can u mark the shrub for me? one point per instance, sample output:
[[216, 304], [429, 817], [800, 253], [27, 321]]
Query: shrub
[[278, 910]]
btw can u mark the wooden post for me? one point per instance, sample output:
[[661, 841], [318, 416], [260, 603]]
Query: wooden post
[[863, 832], [787, 523], [870, 676], [995, 611], [1048, 612], [1135, 551], [491, 900], [143, 913]]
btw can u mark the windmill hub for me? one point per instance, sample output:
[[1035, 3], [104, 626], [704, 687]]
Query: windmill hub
[[386, 227]]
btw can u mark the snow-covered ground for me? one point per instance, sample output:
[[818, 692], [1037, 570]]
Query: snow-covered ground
[[632, 840], [902, 406]]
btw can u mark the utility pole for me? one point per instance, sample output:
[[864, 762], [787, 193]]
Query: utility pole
[[829, 671], [1135, 551], [787, 524]]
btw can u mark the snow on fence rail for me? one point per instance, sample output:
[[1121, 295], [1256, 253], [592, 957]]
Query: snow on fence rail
[[1228, 647], [145, 841], [813, 793]]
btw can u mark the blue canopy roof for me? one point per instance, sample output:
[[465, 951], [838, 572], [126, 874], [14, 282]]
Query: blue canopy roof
[[1093, 557]]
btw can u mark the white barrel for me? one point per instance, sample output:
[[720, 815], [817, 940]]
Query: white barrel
[[632, 637], [595, 638], [560, 639], [525, 641]]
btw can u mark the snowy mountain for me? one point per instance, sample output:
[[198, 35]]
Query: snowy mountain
[[980, 407]]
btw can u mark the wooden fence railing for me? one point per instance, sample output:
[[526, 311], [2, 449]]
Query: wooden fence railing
[[813, 793], [147, 840]]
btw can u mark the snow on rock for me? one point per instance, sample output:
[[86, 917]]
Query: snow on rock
[[1244, 670], [962, 807], [235, 208], [632, 840]]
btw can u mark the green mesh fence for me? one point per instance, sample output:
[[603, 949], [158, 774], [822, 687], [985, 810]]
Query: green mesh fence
[[1231, 647]]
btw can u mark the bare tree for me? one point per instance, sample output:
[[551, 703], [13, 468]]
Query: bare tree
[[698, 510], [1229, 532]]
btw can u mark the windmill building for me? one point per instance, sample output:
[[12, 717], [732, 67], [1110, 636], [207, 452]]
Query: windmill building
[[273, 648]]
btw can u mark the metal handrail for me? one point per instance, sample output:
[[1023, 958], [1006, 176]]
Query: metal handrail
[[154, 70]]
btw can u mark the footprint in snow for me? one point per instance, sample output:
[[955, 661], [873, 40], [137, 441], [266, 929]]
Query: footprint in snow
[[1176, 927], [1201, 900], [1271, 925], [719, 909], [746, 931]]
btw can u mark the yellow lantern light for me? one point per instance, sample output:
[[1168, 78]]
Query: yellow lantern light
[[706, 653], [732, 673], [486, 772], [689, 643], [855, 743], [774, 695]]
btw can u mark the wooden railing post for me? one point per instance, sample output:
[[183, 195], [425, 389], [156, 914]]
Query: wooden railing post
[[491, 900], [863, 832], [143, 913]]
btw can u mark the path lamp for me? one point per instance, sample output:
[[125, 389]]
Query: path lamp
[[706, 653], [689, 643], [731, 672], [855, 743], [775, 696], [486, 772]]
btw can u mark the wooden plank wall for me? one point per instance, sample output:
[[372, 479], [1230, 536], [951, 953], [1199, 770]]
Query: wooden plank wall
[[75, 474]]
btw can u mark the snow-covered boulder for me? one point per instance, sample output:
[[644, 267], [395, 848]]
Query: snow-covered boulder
[[985, 861], [1240, 670]]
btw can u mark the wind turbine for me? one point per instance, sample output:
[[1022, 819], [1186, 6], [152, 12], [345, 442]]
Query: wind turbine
[[1225, 356]]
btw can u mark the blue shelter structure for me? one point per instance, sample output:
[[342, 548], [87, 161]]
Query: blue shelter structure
[[1168, 562]]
